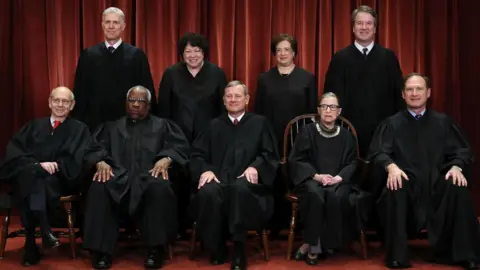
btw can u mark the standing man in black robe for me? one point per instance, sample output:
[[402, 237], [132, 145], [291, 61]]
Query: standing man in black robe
[[132, 158], [234, 162], [365, 69], [190, 94], [44, 161], [425, 154], [106, 71]]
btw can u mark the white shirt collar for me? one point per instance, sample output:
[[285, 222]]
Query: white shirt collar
[[360, 47], [115, 46], [238, 118], [52, 120]]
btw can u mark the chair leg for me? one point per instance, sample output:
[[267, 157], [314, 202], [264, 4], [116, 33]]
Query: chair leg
[[266, 250], [71, 229], [193, 241], [3, 239], [291, 234], [363, 243], [170, 251]]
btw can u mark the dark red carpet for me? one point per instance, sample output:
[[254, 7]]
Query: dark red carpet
[[131, 257]]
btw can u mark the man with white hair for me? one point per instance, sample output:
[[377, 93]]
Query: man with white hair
[[133, 155], [106, 71], [233, 164], [44, 161]]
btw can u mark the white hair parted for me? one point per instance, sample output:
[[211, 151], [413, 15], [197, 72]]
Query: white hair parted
[[115, 10], [236, 83], [141, 88]]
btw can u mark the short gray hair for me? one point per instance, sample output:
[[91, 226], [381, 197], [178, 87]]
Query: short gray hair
[[141, 88], [328, 95], [115, 10], [237, 83]]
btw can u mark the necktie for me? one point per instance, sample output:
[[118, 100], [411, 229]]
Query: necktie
[[56, 123], [365, 50], [235, 121], [111, 49], [418, 116]]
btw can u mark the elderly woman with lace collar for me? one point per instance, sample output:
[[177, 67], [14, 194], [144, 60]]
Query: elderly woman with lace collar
[[322, 164]]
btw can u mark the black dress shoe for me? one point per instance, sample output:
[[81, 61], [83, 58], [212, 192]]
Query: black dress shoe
[[239, 259], [49, 240], [299, 256], [311, 260], [31, 256], [398, 265], [220, 256], [155, 258], [470, 265], [239, 263], [101, 261]]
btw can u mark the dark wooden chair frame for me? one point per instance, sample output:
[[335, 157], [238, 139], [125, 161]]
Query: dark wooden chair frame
[[291, 197], [263, 242], [67, 204]]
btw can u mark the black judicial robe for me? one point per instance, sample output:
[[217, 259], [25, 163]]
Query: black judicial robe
[[37, 142], [283, 97], [228, 150], [131, 148], [189, 101], [312, 154], [102, 80], [425, 150], [369, 89]]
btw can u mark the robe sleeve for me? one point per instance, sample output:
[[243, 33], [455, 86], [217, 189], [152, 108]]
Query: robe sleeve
[[267, 161], [165, 95], [312, 98], [335, 78], [80, 88], [457, 148], [146, 80], [349, 159], [99, 148], [201, 157], [396, 80], [260, 97], [381, 147], [17, 154], [175, 144], [300, 165], [72, 166]]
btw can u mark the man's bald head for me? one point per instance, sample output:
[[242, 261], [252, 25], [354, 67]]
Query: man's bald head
[[62, 90], [61, 102]]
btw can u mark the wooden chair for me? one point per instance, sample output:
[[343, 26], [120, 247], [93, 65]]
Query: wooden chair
[[67, 204], [291, 131], [263, 242]]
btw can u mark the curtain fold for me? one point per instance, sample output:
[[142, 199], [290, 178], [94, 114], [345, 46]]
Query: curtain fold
[[42, 39]]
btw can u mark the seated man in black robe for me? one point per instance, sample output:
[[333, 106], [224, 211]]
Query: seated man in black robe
[[44, 162], [322, 165], [233, 164], [425, 154], [132, 157]]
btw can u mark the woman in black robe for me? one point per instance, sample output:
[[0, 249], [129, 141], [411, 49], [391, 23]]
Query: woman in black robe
[[292, 89], [191, 94], [322, 164]]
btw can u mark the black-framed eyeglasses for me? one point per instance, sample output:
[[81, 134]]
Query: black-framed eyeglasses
[[331, 106], [141, 100]]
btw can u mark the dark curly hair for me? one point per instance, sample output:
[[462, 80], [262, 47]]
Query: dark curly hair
[[195, 40]]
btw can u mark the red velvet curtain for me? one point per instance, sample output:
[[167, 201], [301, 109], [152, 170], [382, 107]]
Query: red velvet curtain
[[42, 39]]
